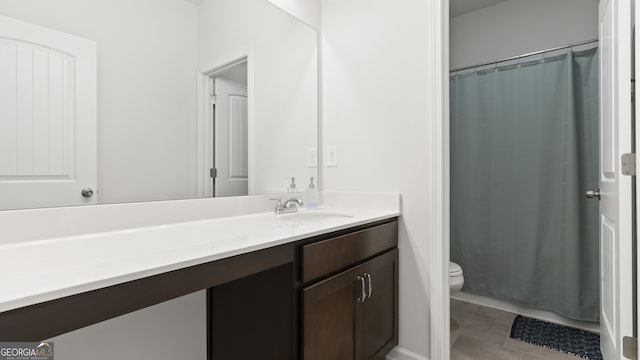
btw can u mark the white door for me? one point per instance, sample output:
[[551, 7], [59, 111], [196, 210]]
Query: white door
[[616, 282], [47, 117], [231, 138]]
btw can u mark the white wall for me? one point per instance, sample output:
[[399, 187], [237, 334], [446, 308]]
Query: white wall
[[377, 108], [175, 329], [518, 27], [146, 89], [282, 84], [308, 11]]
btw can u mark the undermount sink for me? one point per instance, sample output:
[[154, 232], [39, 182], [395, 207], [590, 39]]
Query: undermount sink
[[315, 215]]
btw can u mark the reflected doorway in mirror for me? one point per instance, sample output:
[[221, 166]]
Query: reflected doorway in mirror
[[230, 119], [227, 131]]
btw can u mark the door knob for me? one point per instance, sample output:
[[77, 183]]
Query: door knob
[[593, 194], [87, 192]]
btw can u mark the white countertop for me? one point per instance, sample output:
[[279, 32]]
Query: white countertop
[[36, 271]]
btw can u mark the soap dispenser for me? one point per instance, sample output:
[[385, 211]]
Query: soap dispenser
[[292, 187], [312, 196]]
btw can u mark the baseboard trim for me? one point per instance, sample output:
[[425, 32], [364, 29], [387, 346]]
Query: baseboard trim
[[399, 353]]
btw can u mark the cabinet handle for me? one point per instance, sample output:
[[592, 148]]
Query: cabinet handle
[[363, 297], [368, 276]]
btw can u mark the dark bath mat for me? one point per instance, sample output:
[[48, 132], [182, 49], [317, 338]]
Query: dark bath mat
[[568, 340]]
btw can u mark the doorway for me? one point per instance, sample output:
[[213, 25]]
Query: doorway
[[226, 131], [621, 15]]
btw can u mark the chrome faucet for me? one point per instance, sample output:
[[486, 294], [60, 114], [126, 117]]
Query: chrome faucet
[[292, 203], [288, 206]]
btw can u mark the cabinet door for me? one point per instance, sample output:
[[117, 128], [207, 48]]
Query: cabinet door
[[329, 315], [379, 323]]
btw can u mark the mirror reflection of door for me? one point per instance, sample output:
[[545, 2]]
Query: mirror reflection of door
[[48, 117], [230, 173]]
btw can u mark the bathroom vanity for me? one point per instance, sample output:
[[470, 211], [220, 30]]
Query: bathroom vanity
[[352, 311], [336, 299], [277, 288]]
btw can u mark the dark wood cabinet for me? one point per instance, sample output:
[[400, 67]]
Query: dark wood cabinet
[[379, 321], [353, 314], [328, 256], [336, 299], [329, 311]]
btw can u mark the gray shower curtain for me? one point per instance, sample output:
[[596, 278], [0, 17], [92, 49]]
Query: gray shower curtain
[[524, 148]]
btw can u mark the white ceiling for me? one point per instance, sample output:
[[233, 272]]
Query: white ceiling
[[459, 7]]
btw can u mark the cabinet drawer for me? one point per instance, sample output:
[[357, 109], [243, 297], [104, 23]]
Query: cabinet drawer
[[327, 256]]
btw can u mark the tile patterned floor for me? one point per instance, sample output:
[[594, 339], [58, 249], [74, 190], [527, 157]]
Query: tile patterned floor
[[483, 334]]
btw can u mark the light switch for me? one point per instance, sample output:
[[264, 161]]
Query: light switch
[[312, 157], [332, 156]]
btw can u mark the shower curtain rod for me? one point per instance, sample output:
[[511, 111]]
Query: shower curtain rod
[[525, 55]]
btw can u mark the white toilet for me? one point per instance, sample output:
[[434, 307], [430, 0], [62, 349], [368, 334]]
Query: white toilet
[[456, 280], [455, 284]]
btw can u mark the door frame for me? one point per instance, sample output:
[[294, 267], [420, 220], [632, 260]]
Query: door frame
[[439, 308], [204, 134], [636, 111], [439, 160]]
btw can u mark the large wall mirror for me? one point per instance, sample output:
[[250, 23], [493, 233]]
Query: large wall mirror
[[144, 100]]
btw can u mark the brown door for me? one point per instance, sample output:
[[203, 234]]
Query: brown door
[[329, 315], [379, 324]]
